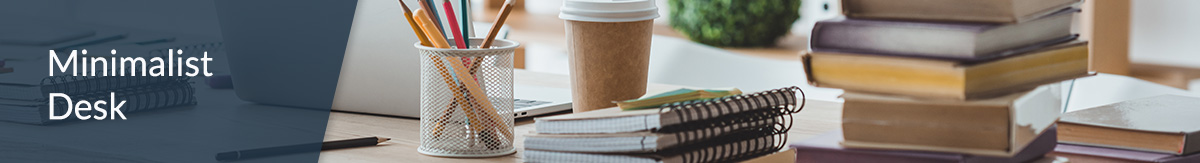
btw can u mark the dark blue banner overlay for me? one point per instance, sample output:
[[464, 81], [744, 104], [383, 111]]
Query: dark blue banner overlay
[[168, 80]]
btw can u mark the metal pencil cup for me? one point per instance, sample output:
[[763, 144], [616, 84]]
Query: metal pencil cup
[[467, 100]]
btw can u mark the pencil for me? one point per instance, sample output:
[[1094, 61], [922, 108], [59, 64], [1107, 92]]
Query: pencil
[[463, 76], [430, 30], [477, 93], [468, 29], [298, 148], [454, 30], [413, 23], [423, 21], [433, 16], [495, 30]]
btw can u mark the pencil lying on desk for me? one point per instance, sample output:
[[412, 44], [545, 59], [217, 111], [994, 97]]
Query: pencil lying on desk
[[290, 149]]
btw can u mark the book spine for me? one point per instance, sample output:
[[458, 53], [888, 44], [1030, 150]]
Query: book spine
[[151, 97], [783, 99]]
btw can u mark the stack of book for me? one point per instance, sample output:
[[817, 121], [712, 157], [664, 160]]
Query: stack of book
[[1155, 129], [726, 129], [944, 80], [26, 94]]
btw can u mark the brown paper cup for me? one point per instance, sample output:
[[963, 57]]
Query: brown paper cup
[[609, 61]]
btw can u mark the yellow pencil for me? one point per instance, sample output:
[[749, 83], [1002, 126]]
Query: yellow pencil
[[477, 93], [420, 33], [427, 24], [424, 23]]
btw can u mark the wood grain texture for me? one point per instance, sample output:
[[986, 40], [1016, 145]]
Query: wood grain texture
[[817, 117]]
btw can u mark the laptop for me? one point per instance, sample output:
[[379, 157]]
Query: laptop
[[380, 72]]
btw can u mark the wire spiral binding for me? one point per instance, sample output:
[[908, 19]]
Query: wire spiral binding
[[87, 84], [725, 125], [735, 147], [155, 96], [777, 105], [783, 98]]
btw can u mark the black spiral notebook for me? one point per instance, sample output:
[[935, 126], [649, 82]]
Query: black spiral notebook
[[138, 98], [729, 148], [613, 120], [40, 90], [726, 129], [661, 139]]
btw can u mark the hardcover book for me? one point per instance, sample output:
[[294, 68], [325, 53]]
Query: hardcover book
[[946, 79], [1084, 153], [1166, 124], [952, 40], [826, 149], [998, 127], [989, 11]]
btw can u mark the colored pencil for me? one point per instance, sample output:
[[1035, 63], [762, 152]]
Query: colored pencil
[[454, 30], [473, 87], [431, 9], [413, 23], [468, 29], [491, 36], [430, 30]]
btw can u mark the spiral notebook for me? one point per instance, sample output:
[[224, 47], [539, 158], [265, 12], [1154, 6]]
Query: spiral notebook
[[39, 89], [613, 120], [149, 97], [731, 148], [653, 141]]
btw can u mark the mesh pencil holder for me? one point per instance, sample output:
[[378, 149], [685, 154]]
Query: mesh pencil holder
[[467, 100]]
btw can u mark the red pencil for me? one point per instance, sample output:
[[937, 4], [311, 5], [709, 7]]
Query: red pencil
[[458, 37]]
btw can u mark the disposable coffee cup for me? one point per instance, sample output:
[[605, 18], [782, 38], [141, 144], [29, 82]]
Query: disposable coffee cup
[[609, 46]]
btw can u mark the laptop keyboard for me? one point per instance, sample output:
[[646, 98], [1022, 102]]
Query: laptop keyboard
[[522, 103]]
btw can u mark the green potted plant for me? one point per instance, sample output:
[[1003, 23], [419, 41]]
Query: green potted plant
[[734, 23]]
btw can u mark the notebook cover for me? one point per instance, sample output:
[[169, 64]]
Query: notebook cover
[[827, 148], [1124, 155]]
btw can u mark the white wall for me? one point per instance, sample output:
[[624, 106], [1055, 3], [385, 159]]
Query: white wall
[[1165, 32]]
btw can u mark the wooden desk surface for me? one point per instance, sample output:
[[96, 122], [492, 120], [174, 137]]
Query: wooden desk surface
[[816, 118]]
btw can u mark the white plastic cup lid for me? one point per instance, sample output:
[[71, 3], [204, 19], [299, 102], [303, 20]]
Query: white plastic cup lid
[[608, 10]]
